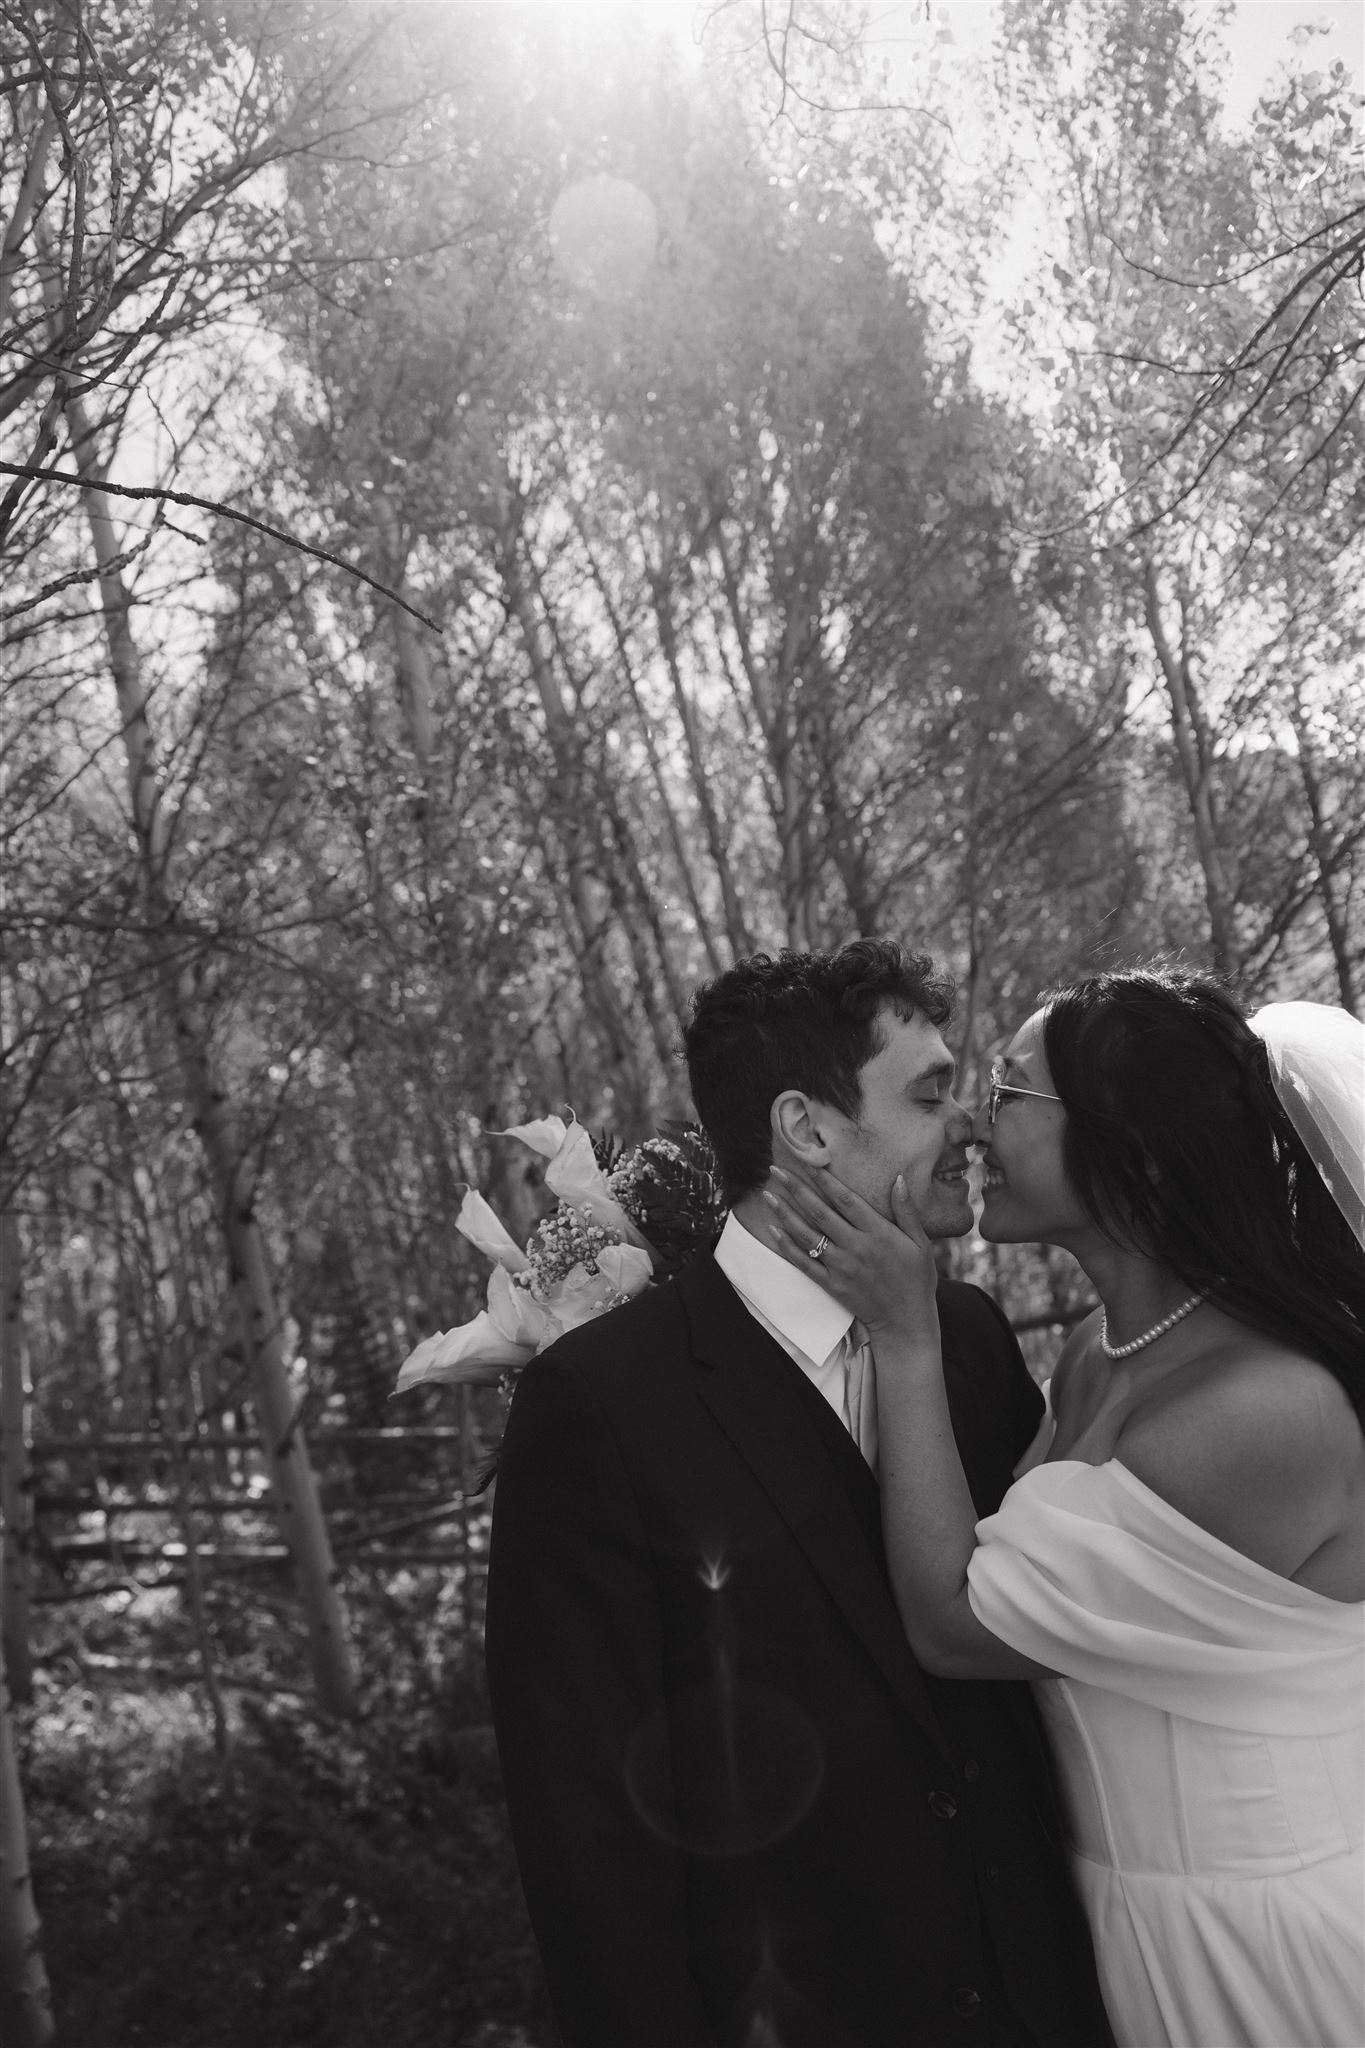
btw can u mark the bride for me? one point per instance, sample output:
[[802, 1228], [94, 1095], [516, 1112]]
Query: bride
[[1180, 1564]]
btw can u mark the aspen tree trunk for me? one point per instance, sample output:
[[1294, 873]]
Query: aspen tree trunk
[[635, 914], [25, 2001], [662, 799], [1193, 752], [619, 868], [295, 1493], [736, 928], [969, 986], [26, 199], [775, 708], [177, 1396], [574, 829], [16, 1494], [800, 865], [1319, 839], [846, 845], [613, 858], [412, 645]]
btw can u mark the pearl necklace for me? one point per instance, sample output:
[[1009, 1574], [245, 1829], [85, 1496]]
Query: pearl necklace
[[1148, 1336]]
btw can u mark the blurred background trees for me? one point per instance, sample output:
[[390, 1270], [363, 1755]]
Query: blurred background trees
[[502, 512]]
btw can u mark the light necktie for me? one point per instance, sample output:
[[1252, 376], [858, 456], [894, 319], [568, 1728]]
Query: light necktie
[[862, 1392]]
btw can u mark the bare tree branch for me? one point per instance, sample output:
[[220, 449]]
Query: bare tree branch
[[161, 493]]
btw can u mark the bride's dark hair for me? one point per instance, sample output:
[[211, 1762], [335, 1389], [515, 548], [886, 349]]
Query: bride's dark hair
[[1176, 1144]]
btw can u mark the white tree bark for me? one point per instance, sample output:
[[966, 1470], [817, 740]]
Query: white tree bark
[[16, 1496], [1194, 754], [412, 644], [1330, 891], [295, 1492], [25, 2001]]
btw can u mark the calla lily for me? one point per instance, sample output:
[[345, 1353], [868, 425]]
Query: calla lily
[[545, 1135], [482, 1227], [575, 1176], [474, 1354], [581, 1295], [518, 1315]]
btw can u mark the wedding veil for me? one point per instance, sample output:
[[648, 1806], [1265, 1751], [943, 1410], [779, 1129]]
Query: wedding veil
[[1317, 1062]]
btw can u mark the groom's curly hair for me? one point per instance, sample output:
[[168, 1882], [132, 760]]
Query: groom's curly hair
[[796, 1020]]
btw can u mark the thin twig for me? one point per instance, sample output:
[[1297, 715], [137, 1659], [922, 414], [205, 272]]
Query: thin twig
[[161, 494]]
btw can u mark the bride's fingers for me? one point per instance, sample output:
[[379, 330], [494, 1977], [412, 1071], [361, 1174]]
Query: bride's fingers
[[792, 1248], [847, 1202], [905, 1215], [842, 1213], [805, 1201], [799, 1255], [860, 1215], [795, 1225]]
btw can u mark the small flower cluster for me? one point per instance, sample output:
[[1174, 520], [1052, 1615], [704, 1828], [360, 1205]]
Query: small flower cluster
[[560, 1242], [645, 1164], [670, 1188]]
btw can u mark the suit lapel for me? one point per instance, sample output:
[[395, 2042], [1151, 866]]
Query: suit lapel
[[755, 1392]]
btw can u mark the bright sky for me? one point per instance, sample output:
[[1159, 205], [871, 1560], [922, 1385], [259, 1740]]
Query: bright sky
[[1258, 35]]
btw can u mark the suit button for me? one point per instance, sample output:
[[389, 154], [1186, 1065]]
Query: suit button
[[971, 1770], [967, 2003], [943, 1804], [993, 1872]]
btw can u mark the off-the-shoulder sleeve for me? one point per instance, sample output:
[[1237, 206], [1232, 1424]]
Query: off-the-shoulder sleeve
[[1090, 1573]]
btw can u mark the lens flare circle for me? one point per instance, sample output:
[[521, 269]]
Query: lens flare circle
[[604, 234], [725, 1771]]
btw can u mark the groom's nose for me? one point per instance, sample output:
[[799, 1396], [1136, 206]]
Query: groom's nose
[[959, 1123]]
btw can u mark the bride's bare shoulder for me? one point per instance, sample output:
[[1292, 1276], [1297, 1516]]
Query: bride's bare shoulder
[[1258, 1444], [1244, 1369], [1241, 1393]]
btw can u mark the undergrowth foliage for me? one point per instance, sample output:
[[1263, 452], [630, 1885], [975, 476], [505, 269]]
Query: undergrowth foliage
[[333, 1885]]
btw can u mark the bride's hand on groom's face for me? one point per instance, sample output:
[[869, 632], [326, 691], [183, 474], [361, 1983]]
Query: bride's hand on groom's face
[[883, 1269]]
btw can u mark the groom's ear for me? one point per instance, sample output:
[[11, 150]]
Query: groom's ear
[[798, 1129]]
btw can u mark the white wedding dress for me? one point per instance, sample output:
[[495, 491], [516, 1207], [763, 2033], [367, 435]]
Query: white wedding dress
[[1208, 1729]]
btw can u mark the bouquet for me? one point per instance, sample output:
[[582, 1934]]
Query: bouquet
[[621, 1221]]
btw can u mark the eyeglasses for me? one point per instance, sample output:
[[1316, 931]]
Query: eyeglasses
[[1000, 1088]]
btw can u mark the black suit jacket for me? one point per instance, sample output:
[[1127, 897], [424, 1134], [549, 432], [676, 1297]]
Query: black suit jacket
[[742, 1813]]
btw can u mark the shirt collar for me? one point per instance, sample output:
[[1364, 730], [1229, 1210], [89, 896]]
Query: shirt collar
[[793, 1302]]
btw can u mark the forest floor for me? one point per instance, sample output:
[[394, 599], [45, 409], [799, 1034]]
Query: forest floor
[[338, 1886]]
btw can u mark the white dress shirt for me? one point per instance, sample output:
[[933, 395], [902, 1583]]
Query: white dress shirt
[[811, 1326]]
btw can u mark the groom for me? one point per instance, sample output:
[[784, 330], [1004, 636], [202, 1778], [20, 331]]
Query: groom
[[744, 1817]]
